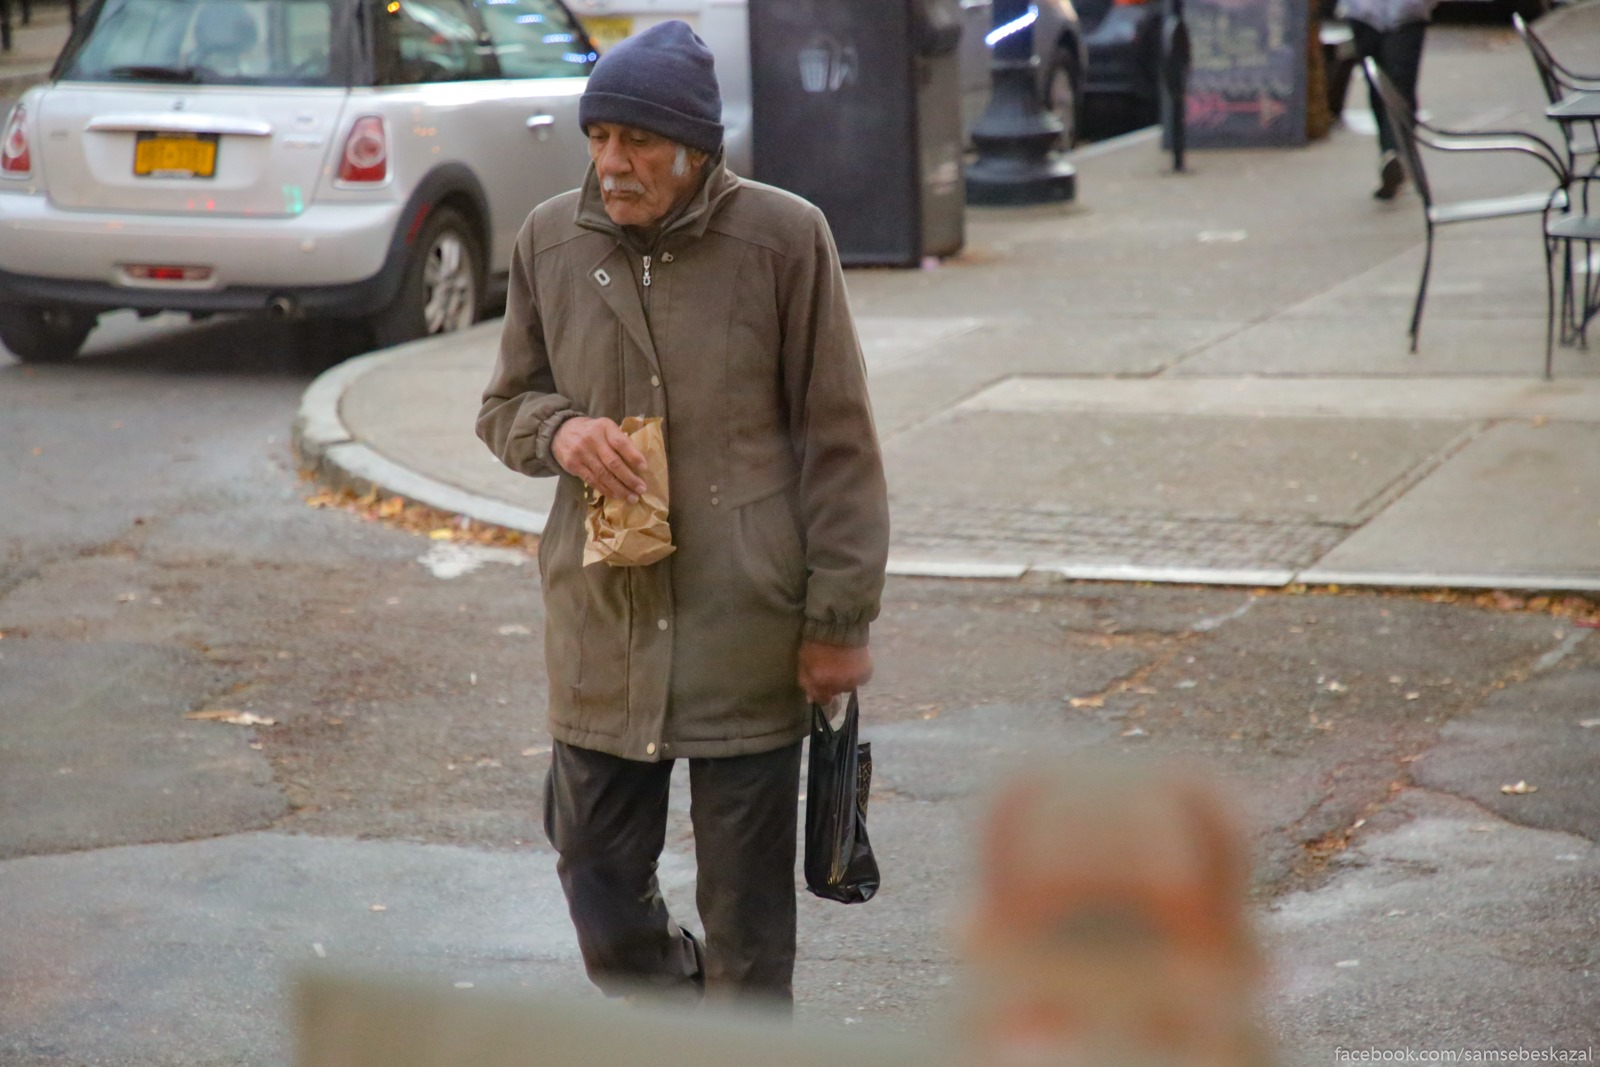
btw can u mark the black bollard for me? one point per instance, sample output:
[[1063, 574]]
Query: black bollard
[[1019, 161], [1175, 63]]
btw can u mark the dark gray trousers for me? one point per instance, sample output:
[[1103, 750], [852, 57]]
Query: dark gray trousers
[[1399, 55], [606, 817]]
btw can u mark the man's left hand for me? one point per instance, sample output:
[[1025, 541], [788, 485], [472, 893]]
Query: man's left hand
[[828, 670]]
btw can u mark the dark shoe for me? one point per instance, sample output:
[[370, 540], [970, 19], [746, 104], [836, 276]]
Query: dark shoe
[[699, 977], [1391, 176]]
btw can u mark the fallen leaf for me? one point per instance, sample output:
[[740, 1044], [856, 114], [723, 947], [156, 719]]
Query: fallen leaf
[[1413, 695], [233, 718], [1395, 913], [1135, 731], [1087, 702], [1335, 687], [1348, 963], [514, 629], [127, 598], [441, 534], [536, 750], [1395, 679], [1587, 724], [1519, 790], [379, 907]]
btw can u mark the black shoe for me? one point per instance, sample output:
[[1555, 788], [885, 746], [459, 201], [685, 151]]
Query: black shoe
[[1391, 176]]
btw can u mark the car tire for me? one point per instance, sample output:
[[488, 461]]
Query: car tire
[[43, 334], [1063, 95], [442, 289]]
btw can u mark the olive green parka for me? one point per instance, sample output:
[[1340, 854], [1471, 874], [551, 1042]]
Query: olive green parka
[[733, 326]]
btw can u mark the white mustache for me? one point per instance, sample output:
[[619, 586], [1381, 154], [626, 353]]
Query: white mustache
[[621, 185]]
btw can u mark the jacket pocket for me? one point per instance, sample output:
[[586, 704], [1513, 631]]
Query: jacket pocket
[[771, 550]]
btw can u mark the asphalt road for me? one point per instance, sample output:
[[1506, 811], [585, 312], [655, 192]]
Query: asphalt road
[[158, 557]]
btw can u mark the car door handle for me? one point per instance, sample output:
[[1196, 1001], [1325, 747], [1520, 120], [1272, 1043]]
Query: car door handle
[[537, 122]]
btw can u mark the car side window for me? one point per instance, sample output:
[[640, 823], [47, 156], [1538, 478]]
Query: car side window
[[429, 41], [536, 39]]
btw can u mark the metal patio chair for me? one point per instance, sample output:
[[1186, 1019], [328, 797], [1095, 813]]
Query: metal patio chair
[[1413, 134], [1563, 229], [1559, 82]]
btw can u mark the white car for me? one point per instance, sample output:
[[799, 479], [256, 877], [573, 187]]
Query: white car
[[367, 161]]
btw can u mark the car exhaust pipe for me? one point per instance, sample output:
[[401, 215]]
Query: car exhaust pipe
[[283, 307]]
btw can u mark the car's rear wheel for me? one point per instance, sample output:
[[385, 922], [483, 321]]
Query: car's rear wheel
[[1061, 95], [443, 285], [43, 334]]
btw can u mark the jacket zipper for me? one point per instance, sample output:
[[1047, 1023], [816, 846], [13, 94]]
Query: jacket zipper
[[647, 272]]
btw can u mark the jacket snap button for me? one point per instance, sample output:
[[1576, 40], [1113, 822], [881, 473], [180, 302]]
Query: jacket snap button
[[655, 380], [715, 501], [713, 489], [650, 749], [661, 624]]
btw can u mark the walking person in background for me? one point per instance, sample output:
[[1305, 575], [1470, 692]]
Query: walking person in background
[[1391, 32], [668, 287]]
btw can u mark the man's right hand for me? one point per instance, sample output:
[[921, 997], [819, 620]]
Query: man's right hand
[[597, 451]]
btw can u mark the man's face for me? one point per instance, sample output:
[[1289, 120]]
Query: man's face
[[643, 176]]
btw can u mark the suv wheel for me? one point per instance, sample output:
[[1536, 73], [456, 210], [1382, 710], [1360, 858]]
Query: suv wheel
[[443, 284], [43, 334], [1061, 96]]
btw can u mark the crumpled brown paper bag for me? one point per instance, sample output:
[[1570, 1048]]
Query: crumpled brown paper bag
[[634, 534]]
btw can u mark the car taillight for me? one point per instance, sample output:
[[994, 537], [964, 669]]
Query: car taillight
[[15, 161], [366, 152]]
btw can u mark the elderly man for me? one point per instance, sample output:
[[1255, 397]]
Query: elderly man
[[666, 286]]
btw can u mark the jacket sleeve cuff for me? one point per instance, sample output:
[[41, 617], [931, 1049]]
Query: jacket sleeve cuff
[[547, 435], [831, 632]]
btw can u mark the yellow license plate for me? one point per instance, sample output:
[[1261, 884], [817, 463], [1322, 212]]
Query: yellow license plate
[[175, 155], [607, 30]]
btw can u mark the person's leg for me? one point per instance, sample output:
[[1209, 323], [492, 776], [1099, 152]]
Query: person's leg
[[1400, 57], [1369, 44], [606, 817], [744, 810]]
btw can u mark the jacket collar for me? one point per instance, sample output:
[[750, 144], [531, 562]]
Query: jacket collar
[[690, 221]]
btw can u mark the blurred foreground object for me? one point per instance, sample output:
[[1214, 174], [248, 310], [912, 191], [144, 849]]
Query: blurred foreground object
[[355, 1021], [1111, 925]]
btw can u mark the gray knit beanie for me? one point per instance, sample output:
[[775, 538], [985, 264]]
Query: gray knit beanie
[[660, 80]]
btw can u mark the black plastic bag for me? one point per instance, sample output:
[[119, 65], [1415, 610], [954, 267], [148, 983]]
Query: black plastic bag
[[839, 861]]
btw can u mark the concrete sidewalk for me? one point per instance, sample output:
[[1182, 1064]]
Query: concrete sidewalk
[[1198, 378], [34, 48]]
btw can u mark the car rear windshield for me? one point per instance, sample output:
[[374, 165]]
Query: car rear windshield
[[214, 42]]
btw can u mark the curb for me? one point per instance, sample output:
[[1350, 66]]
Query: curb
[[324, 447]]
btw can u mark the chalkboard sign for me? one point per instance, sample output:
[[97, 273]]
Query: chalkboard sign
[[1247, 87]]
